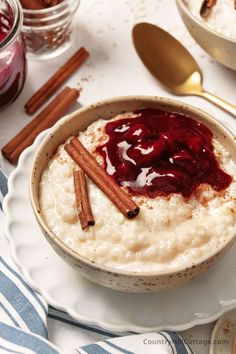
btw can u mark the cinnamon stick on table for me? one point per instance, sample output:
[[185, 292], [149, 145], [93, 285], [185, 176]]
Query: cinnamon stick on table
[[56, 81], [234, 345], [100, 177], [44, 120], [82, 199]]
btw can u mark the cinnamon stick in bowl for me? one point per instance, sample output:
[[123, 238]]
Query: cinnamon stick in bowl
[[206, 7], [56, 81], [101, 178], [82, 199]]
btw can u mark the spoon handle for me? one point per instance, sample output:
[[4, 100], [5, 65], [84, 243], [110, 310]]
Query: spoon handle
[[226, 106]]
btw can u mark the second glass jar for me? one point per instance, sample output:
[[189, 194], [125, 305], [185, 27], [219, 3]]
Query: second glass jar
[[49, 32]]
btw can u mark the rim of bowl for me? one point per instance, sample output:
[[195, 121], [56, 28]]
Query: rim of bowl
[[59, 125], [195, 19]]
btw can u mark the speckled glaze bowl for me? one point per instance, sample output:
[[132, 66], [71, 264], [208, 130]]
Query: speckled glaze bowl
[[105, 276], [218, 46]]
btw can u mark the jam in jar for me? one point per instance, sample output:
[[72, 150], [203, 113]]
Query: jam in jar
[[12, 51]]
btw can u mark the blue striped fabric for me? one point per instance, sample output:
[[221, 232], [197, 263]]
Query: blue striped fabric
[[3, 183], [14, 340], [24, 313], [23, 316], [122, 350], [22, 299], [64, 318]]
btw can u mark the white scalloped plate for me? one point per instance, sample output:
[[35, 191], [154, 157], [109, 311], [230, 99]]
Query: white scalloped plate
[[201, 301]]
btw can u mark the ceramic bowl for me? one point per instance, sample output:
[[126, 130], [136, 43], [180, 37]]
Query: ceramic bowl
[[218, 46], [117, 279]]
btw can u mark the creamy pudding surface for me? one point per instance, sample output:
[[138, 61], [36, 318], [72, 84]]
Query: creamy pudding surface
[[174, 228], [222, 17]]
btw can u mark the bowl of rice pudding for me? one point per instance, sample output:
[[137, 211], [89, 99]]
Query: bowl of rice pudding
[[212, 23], [165, 210]]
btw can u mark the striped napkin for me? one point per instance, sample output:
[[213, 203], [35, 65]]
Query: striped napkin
[[24, 319]]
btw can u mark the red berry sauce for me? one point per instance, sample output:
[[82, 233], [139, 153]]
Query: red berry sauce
[[6, 20], [12, 57], [159, 153]]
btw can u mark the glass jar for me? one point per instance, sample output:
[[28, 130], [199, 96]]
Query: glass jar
[[49, 32], [12, 51]]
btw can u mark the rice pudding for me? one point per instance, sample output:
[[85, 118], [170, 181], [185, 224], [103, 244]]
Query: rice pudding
[[221, 19], [181, 219]]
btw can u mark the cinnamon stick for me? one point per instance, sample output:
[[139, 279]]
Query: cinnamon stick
[[234, 345], [44, 120], [82, 217], [56, 81], [15, 142], [206, 7], [100, 177], [82, 199]]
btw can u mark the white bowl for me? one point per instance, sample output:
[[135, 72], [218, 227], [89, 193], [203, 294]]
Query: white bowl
[[129, 281], [218, 46]]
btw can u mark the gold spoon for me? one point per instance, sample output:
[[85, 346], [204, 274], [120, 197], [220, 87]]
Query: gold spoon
[[172, 64]]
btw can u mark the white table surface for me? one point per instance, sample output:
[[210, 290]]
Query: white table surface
[[113, 69]]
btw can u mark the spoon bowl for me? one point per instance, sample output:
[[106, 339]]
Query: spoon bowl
[[172, 64]]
